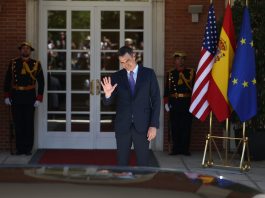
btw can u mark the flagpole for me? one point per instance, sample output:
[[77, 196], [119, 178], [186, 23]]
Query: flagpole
[[208, 144], [210, 132], [244, 145], [244, 129], [226, 140], [247, 3]]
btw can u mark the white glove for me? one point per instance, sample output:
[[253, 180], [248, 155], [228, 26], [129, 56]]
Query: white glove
[[37, 103], [7, 101], [167, 107]]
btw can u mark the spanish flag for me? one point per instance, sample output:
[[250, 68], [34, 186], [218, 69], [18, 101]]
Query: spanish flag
[[218, 86]]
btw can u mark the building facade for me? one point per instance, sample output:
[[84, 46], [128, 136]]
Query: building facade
[[76, 42]]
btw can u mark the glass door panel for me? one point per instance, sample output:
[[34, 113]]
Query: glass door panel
[[80, 71], [56, 122], [134, 20], [80, 45], [134, 33], [56, 71], [80, 82], [110, 43], [110, 20], [80, 123]]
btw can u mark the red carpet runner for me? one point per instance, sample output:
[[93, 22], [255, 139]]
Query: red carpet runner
[[87, 157]]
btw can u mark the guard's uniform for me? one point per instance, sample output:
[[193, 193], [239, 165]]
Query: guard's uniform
[[20, 86], [178, 96]]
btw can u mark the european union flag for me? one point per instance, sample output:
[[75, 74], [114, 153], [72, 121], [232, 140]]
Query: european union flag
[[242, 92]]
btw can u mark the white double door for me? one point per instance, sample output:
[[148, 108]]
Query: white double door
[[78, 46]]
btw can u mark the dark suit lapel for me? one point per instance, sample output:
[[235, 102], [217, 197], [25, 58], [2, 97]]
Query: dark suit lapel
[[125, 80], [139, 80]]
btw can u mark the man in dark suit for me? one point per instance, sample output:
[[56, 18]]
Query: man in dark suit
[[136, 93], [24, 77]]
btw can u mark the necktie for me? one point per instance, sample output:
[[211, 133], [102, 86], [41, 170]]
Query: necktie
[[131, 82]]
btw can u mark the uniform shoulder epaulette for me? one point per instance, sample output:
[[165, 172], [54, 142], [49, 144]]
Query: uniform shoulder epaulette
[[14, 59], [35, 61], [170, 71]]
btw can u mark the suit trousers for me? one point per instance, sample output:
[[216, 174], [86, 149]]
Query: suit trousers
[[23, 117], [181, 122], [141, 146]]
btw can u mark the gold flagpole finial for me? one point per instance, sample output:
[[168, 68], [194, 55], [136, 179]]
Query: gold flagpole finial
[[247, 3], [211, 1]]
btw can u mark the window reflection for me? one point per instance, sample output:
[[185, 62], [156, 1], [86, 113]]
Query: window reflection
[[80, 61], [80, 102], [80, 82], [139, 57], [134, 20], [80, 19], [109, 61], [107, 122], [56, 19], [80, 123], [56, 60], [56, 81], [56, 101], [56, 57], [56, 40], [78, 35], [56, 122], [80, 40], [110, 20], [110, 40], [134, 40]]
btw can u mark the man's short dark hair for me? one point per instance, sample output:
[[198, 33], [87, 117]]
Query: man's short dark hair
[[123, 50]]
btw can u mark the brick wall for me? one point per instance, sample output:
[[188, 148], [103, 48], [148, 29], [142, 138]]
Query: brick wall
[[12, 32], [181, 34]]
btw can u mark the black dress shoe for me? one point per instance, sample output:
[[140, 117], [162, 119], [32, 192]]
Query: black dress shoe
[[173, 153], [187, 153], [18, 153], [28, 153]]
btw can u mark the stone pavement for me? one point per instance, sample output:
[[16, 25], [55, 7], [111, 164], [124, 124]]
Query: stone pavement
[[254, 178]]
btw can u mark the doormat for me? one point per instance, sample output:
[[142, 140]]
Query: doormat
[[84, 157]]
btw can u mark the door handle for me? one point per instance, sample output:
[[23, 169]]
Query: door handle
[[98, 87], [91, 87]]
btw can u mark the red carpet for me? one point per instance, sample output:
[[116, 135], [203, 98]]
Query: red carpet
[[88, 157]]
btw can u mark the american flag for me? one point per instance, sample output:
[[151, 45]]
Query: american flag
[[199, 105]]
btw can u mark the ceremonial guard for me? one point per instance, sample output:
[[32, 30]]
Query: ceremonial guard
[[23, 87], [177, 98]]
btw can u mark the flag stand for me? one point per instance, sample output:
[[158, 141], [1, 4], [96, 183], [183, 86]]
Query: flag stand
[[227, 161]]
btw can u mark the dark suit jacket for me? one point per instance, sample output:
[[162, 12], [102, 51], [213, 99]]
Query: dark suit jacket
[[143, 108]]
